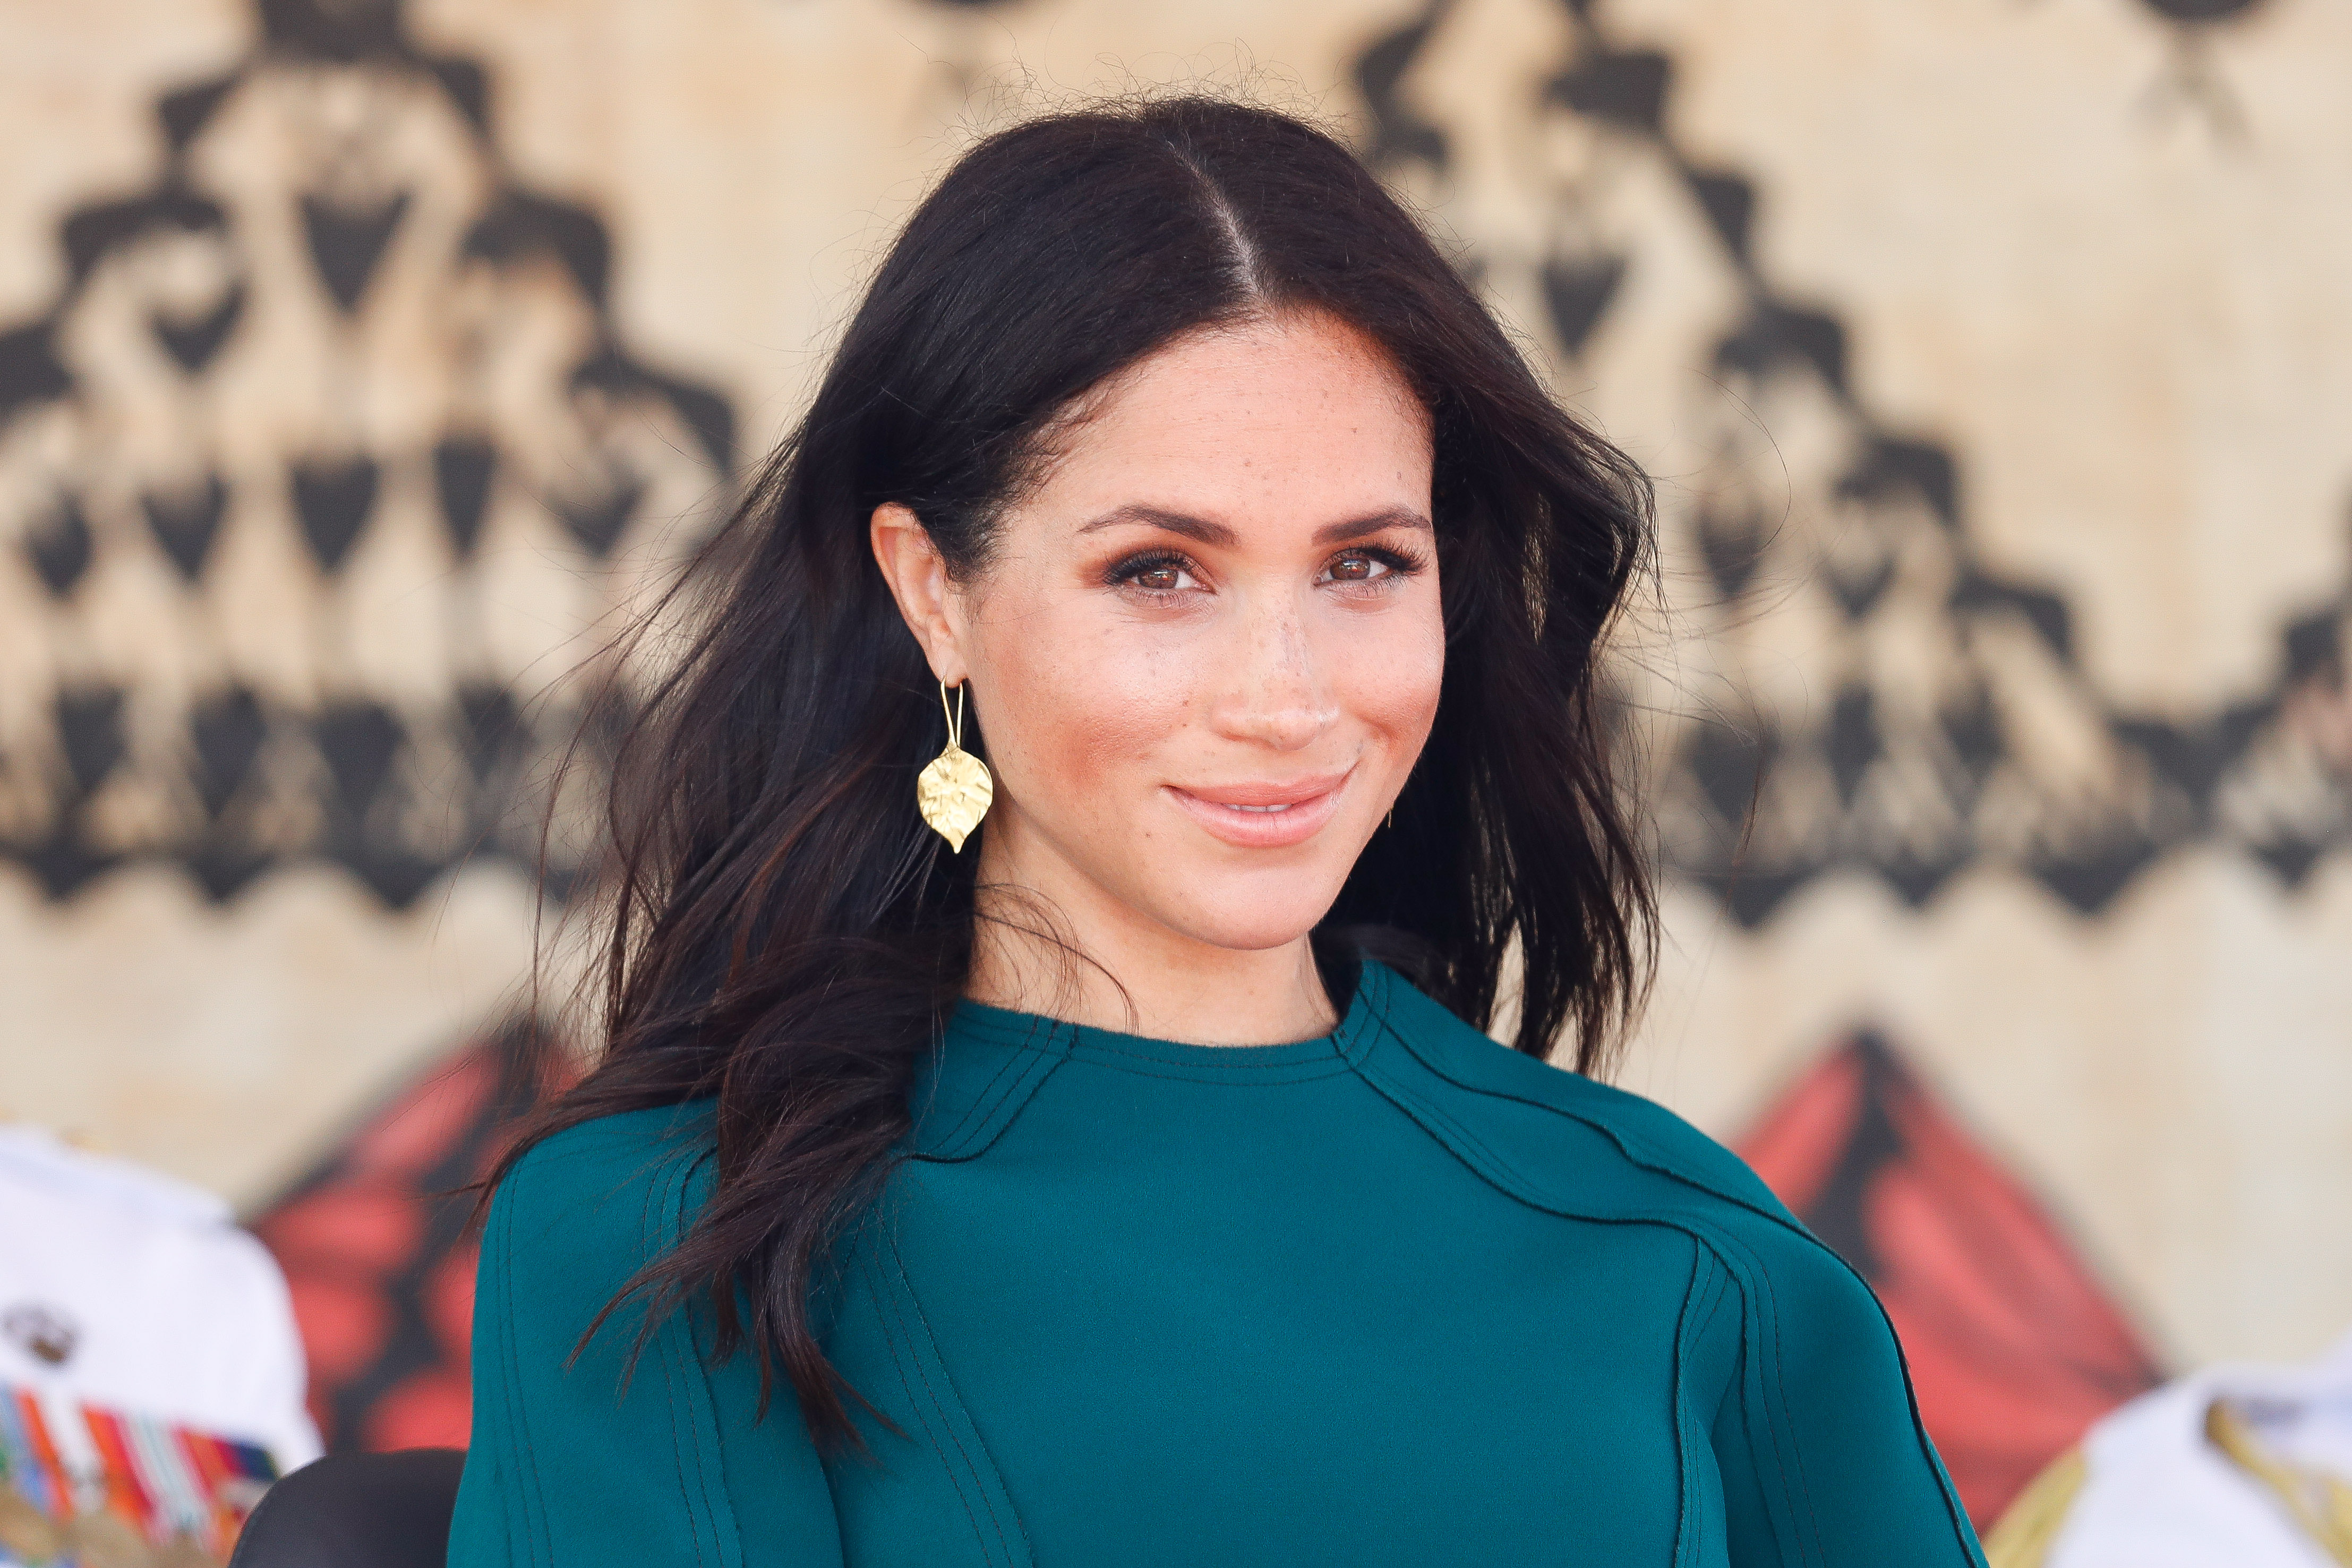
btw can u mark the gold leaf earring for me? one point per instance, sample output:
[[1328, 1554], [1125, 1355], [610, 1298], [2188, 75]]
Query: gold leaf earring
[[954, 792]]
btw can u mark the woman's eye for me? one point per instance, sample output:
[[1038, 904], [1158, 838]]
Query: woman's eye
[[1156, 574], [1356, 567]]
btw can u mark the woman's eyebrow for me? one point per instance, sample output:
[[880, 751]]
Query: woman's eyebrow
[[1191, 528], [1209, 533], [1356, 529]]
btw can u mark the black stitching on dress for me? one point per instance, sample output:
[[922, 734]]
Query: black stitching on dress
[[1780, 1426], [947, 1416], [647, 1233], [879, 1285], [1684, 1524], [722, 1497], [1007, 1110], [1340, 1070], [1299, 1059], [1042, 1065], [1699, 1437], [534, 1513], [680, 1329], [1773, 1397], [686, 1439], [717, 1496], [1016, 1056], [654, 1199], [1719, 1290], [1438, 1121], [1701, 1433], [1028, 1550], [1649, 1158], [1796, 1448]]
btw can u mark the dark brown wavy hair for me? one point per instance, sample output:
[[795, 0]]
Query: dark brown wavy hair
[[784, 935]]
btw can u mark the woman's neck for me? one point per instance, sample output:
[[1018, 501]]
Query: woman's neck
[[1069, 950]]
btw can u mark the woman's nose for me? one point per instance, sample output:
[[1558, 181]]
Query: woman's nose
[[1276, 695]]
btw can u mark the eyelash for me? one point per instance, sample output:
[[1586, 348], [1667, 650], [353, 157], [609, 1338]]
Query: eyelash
[[1399, 564]]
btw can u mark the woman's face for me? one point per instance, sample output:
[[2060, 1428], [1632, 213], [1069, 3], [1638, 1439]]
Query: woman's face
[[1207, 648]]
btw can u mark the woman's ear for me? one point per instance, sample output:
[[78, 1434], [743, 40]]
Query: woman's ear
[[918, 580]]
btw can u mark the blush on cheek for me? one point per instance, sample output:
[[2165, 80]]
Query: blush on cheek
[[1409, 698], [1077, 710], [1393, 689]]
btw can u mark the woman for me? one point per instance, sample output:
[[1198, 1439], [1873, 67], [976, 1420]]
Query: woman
[[1131, 1182]]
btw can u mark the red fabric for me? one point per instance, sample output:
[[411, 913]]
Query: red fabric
[[344, 1320], [379, 1255], [433, 1117], [2014, 1346], [430, 1409], [368, 1228]]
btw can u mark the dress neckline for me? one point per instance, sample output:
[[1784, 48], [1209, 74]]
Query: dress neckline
[[1002, 1029]]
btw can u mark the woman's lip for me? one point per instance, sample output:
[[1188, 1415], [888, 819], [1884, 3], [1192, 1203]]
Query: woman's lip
[[1266, 815], [1268, 792]]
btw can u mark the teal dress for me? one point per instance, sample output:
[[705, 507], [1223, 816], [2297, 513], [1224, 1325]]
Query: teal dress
[[1397, 1295]]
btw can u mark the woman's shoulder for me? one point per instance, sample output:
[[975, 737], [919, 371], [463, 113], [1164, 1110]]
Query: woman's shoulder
[[613, 1188], [1780, 1316], [1562, 1130]]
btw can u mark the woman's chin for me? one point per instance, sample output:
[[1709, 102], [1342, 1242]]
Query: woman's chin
[[1248, 925]]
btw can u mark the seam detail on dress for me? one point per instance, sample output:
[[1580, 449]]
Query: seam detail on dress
[[1516, 1185], [947, 1413], [536, 1524], [695, 1380], [1760, 1317], [648, 1203], [1302, 1058], [1715, 1287], [1016, 1057], [685, 1437], [903, 1356], [1336, 1069], [1719, 1288], [1008, 1106], [1439, 1122], [653, 1199], [1037, 1064], [1650, 1159], [1773, 1397], [1685, 1524]]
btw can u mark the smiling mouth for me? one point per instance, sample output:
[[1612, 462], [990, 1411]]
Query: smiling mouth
[[1264, 815]]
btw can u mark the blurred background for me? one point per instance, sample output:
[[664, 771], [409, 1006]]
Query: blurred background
[[360, 360]]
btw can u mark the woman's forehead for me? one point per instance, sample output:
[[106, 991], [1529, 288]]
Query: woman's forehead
[[1306, 417]]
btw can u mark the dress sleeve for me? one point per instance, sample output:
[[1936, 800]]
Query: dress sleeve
[[592, 1462], [1818, 1446]]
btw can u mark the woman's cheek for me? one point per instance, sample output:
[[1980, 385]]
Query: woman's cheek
[[1393, 678], [1084, 701]]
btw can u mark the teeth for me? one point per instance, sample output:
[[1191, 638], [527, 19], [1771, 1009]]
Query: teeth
[[1258, 808]]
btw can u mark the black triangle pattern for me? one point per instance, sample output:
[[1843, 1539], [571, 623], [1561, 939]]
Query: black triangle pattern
[[192, 343], [186, 521], [1911, 803], [2217, 777], [332, 496], [347, 242], [60, 548], [398, 788]]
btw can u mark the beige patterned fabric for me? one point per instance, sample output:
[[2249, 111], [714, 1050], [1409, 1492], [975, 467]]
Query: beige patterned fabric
[[363, 362]]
